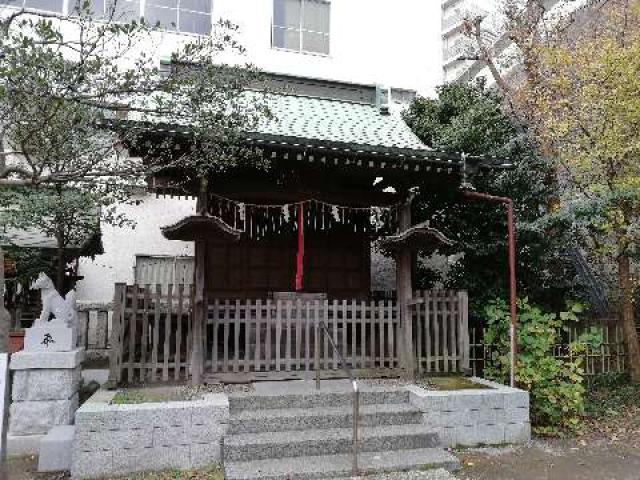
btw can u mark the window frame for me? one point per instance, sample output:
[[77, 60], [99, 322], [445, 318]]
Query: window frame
[[21, 5], [68, 8], [301, 30], [178, 10]]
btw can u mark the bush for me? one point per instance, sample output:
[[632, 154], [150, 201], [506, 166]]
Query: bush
[[556, 385]]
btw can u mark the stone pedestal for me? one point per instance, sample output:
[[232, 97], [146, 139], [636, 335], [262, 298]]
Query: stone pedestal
[[44, 395], [50, 338]]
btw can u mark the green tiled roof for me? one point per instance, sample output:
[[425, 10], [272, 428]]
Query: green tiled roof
[[320, 119]]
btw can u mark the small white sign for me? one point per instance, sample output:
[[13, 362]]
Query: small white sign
[[4, 402]]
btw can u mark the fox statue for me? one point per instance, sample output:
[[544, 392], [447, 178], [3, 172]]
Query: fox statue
[[63, 309]]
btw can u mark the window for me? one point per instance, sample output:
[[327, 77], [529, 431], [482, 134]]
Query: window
[[164, 271], [301, 25], [54, 6], [118, 10], [192, 16]]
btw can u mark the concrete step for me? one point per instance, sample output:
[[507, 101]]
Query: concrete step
[[258, 446], [277, 420], [275, 400], [333, 466]]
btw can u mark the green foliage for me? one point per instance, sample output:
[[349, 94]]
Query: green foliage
[[469, 119], [69, 218], [80, 103], [555, 385], [30, 262]]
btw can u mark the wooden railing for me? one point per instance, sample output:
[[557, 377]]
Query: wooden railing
[[278, 335], [441, 333], [271, 338], [151, 334]]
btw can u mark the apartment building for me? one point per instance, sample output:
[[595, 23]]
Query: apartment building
[[456, 46]]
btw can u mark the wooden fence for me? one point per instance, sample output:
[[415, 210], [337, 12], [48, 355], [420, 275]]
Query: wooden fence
[[278, 338], [441, 334], [609, 357], [151, 334]]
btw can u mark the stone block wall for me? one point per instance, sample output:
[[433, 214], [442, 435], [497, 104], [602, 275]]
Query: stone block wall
[[121, 439], [44, 394], [472, 417]]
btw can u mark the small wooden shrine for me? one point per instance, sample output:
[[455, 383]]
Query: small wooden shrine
[[279, 250]]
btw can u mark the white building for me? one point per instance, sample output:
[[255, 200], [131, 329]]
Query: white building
[[503, 49], [342, 45], [456, 46]]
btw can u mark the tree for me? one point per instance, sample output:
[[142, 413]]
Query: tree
[[587, 112], [528, 25], [470, 119], [69, 216], [544, 43], [76, 95]]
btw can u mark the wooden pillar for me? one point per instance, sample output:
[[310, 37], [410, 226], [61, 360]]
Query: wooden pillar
[[4, 373], [200, 307], [5, 318], [404, 291], [200, 314]]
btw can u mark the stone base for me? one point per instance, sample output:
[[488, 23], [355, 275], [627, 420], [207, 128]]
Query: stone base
[[42, 384], [45, 391], [46, 360], [23, 444], [38, 417], [56, 449], [468, 418], [114, 440], [50, 338]]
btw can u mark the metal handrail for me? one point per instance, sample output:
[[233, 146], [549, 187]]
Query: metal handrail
[[354, 385]]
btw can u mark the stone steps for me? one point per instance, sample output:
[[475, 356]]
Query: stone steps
[[340, 466], [312, 399], [277, 420], [296, 432], [298, 443]]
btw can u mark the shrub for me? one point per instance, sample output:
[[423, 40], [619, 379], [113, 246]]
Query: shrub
[[555, 384]]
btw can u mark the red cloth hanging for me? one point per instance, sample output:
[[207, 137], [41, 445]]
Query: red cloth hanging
[[300, 252]]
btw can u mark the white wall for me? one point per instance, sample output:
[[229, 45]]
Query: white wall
[[121, 245], [395, 42]]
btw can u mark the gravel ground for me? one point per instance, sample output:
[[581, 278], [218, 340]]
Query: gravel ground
[[25, 468], [439, 474], [556, 459]]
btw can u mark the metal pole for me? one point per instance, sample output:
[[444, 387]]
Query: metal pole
[[316, 348], [512, 290], [512, 274], [356, 419]]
